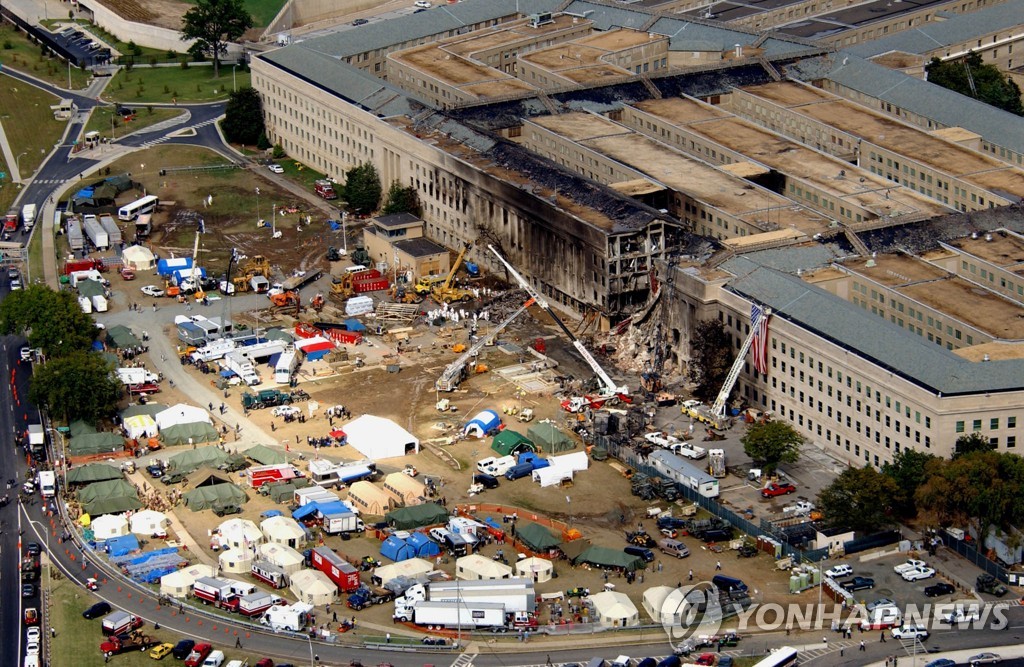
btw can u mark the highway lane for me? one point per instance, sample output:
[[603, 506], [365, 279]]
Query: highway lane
[[10, 463]]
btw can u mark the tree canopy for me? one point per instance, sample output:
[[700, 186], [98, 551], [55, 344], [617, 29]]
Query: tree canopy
[[401, 200], [213, 24], [710, 359], [52, 321], [909, 470], [860, 499], [970, 76], [243, 117], [772, 443], [79, 385], [969, 443], [363, 189]]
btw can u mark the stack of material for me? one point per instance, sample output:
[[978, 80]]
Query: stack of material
[[359, 305]]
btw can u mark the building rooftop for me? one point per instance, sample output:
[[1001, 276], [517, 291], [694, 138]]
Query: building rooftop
[[1000, 247], [397, 220], [895, 270], [859, 14], [421, 247]]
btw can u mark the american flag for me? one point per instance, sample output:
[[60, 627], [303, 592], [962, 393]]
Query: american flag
[[759, 346]]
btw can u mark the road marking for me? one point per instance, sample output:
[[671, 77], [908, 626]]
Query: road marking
[[464, 659]]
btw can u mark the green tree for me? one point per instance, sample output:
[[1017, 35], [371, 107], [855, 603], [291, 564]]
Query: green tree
[[970, 76], [243, 117], [213, 24], [362, 188], [80, 385], [970, 443], [860, 499], [401, 200], [711, 357], [772, 443], [909, 470], [981, 488], [52, 321]]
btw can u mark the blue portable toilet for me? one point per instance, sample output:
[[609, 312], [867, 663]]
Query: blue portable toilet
[[397, 549]]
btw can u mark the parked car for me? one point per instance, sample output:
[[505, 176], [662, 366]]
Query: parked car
[[28, 590], [910, 632], [151, 290], [941, 662], [360, 22], [161, 651], [423, 4], [840, 570], [858, 584], [97, 610], [276, 168], [939, 589], [226, 509], [909, 565], [918, 573], [777, 489], [155, 470], [986, 658], [183, 648]]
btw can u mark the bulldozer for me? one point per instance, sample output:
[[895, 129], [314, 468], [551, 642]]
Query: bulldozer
[[445, 292], [256, 266], [400, 294], [341, 287]]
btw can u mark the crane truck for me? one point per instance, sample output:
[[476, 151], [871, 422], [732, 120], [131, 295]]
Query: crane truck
[[446, 292], [609, 389], [455, 372]]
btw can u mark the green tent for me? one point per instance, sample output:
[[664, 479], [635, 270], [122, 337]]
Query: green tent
[[606, 558], [113, 488], [188, 434], [549, 438], [85, 444], [150, 409], [79, 427], [509, 442], [266, 456], [94, 472], [90, 288], [574, 548], [284, 492], [279, 335], [114, 505], [206, 496], [120, 336], [416, 516], [537, 537], [192, 459]]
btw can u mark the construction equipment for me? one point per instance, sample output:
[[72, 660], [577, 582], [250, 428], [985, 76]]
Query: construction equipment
[[399, 294], [317, 302], [455, 372], [608, 388], [333, 254], [341, 287], [284, 299], [265, 398], [445, 292]]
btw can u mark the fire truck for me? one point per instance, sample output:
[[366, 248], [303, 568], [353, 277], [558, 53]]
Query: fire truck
[[259, 475]]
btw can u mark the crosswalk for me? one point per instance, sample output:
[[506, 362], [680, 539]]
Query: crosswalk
[[465, 659], [813, 651]]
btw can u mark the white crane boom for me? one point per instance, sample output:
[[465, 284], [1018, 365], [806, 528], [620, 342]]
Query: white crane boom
[[452, 374], [609, 388], [718, 407]]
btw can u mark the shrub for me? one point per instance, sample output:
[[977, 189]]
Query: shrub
[[278, 152]]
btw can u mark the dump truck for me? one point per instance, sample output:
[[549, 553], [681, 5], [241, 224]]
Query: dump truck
[[265, 398]]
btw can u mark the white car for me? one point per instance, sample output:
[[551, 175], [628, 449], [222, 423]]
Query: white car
[[962, 615], [26, 354], [422, 4], [909, 565], [15, 284], [276, 168], [910, 632], [495, 467], [880, 603], [840, 570], [686, 450], [918, 573], [285, 410], [32, 648], [151, 290], [32, 634]]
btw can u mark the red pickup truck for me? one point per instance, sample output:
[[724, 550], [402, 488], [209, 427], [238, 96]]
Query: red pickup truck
[[198, 654], [777, 489]]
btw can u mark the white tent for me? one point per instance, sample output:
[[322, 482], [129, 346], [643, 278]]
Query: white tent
[[551, 475], [240, 534], [313, 587], [378, 438], [179, 584], [149, 522], [574, 461], [139, 258], [407, 568], [475, 566], [238, 561], [654, 603], [140, 426], [182, 413], [537, 569], [614, 609], [286, 558], [284, 530], [109, 525]]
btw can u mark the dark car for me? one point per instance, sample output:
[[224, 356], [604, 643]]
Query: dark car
[[174, 478], [715, 535], [226, 508], [97, 610], [155, 471], [360, 22], [183, 648], [32, 549], [672, 522], [488, 481], [858, 584], [936, 590], [28, 590], [434, 641]]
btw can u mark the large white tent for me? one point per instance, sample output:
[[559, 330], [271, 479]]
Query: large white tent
[[140, 426], [574, 461], [551, 475], [139, 258], [109, 526], [284, 530], [654, 602], [179, 584], [284, 557], [149, 522], [474, 567], [412, 567], [537, 569], [379, 438], [404, 490], [238, 561], [313, 587], [240, 534], [182, 413], [614, 609]]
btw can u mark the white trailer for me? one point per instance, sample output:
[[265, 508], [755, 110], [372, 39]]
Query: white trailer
[[517, 594], [286, 366], [453, 614], [241, 365], [311, 494], [99, 303], [94, 230], [76, 242], [679, 470], [254, 604], [129, 376], [111, 228], [342, 522], [214, 350], [291, 618], [85, 304]]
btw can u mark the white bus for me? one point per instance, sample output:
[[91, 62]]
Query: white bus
[[47, 483], [144, 205], [781, 657]]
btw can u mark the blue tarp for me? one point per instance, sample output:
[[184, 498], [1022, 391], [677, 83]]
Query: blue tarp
[[493, 524], [274, 358], [333, 507], [306, 510], [534, 459], [424, 546], [120, 546], [397, 549], [316, 356], [352, 324], [271, 513], [335, 225], [226, 373]]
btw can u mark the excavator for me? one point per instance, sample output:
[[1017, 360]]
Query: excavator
[[445, 292], [401, 294], [317, 302]]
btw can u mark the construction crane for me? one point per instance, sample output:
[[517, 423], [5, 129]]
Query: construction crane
[[445, 293], [455, 371], [608, 387]]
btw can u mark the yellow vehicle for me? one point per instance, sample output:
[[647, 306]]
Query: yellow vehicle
[[444, 292], [425, 285], [161, 651]]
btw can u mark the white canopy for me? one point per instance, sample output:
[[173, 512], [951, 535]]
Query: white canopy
[[140, 426], [238, 561], [149, 522], [240, 534], [551, 475], [282, 556], [537, 569], [283, 530], [406, 568], [574, 461], [182, 413], [139, 258], [614, 609], [313, 587], [475, 566], [654, 602], [109, 525], [378, 438], [179, 584]]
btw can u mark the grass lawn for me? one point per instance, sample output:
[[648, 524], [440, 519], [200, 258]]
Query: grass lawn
[[144, 117], [25, 56], [300, 173], [35, 253], [165, 84], [262, 11], [29, 124]]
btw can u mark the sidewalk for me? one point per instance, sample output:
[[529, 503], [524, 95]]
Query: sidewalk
[[960, 657]]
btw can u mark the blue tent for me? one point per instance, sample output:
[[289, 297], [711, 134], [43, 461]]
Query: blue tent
[[165, 267], [424, 546], [352, 324], [120, 546], [397, 549], [486, 421], [534, 459], [271, 513], [306, 510], [335, 225]]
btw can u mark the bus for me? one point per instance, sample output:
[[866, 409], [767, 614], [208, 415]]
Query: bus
[[780, 657], [144, 205]]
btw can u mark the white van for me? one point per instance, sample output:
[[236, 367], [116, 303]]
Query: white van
[[215, 659]]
